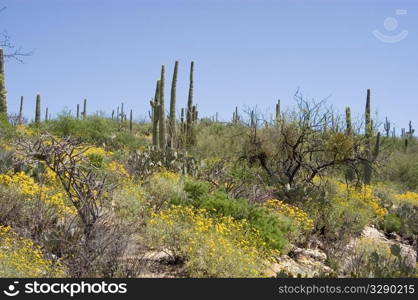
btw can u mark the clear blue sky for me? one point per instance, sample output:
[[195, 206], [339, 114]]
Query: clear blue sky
[[246, 53]]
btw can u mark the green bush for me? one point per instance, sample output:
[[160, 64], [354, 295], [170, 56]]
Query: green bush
[[275, 229], [95, 130], [391, 223]]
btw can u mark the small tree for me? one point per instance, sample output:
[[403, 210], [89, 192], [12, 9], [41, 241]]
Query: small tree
[[300, 149]]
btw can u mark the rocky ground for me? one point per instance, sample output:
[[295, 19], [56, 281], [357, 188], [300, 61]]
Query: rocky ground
[[300, 262]]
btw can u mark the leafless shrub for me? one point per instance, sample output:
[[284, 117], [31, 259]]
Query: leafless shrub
[[91, 243]]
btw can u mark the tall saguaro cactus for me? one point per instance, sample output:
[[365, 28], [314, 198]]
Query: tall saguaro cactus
[[78, 112], [367, 117], [130, 121], [172, 123], [20, 120], [46, 114], [349, 127], [161, 134], [368, 135], [3, 98], [38, 109], [155, 114], [278, 113], [189, 115], [386, 126], [85, 109]]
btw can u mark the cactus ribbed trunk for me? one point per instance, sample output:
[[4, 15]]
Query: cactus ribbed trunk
[[367, 116], [155, 115], [368, 135], [278, 113], [386, 126], [189, 115], [78, 112], [161, 133], [21, 111], [172, 123], [3, 97], [130, 121], [85, 109], [46, 114], [194, 113], [349, 128], [38, 109]]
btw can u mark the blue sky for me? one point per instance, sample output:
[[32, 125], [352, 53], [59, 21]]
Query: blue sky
[[246, 53]]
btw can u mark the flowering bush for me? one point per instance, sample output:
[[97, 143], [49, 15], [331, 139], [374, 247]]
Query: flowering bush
[[408, 197], [20, 257], [292, 212], [209, 246], [50, 194], [129, 203], [351, 196], [162, 187]]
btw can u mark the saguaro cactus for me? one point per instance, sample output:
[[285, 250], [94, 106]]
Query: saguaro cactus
[[278, 113], [235, 116], [78, 112], [155, 114], [21, 111], [411, 130], [368, 135], [161, 134], [38, 109], [3, 98], [85, 109], [367, 116], [386, 126], [46, 114], [130, 121], [349, 128], [172, 123], [194, 114], [189, 116]]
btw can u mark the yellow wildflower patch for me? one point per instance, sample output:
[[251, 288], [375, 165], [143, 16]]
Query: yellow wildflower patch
[[31, 189], [292, 212], [211, 246], [20, 257], [408, 197], [364, 193]]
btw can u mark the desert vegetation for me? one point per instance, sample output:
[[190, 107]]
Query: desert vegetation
[[180, 195]]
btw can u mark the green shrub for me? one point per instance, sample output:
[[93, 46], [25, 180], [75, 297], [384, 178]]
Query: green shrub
[[391, 223], [275, 229], [95, 130]]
